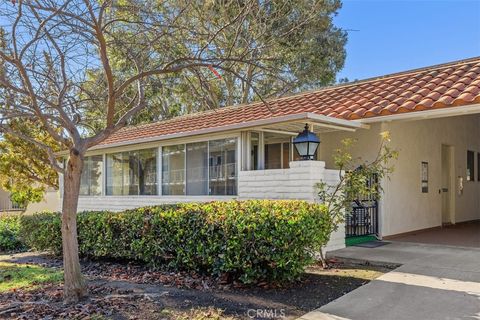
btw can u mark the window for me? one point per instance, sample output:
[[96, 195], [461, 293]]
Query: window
[[279, 151], [132, 173], [478, 167], [147, 166], [424, 179], [223, 167], [91, 180], [286, 155], [277, 155], [470, 165], [273, 156], [197, 168], [173, 170], [203, 168], [254, 150]]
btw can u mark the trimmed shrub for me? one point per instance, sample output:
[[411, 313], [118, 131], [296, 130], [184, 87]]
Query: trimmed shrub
[[42, 231], [250, 240], [9, 234]]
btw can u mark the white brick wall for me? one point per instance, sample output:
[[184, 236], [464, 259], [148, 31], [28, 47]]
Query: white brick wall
[[118, 203], [298, 183], [294, 183]]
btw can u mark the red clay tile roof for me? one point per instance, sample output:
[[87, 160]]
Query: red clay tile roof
[[442, 86]]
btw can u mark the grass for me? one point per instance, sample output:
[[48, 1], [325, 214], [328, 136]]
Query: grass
[[209, 313], [363, 272], [16, 276]]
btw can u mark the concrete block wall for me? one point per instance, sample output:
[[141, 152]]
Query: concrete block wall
[[119, 203], [298, 182]]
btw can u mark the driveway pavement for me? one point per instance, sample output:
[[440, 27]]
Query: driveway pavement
[[433, 282]]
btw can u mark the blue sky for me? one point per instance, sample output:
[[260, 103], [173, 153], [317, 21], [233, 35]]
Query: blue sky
[[395, 36]]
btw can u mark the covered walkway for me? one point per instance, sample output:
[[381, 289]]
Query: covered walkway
[[465, 234]]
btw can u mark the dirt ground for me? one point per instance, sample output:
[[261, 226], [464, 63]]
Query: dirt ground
[[129, 291]]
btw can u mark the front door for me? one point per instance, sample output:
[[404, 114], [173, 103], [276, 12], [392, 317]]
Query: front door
[[448, 185]]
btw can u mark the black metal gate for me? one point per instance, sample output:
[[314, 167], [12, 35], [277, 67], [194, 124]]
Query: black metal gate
[[362, 219]]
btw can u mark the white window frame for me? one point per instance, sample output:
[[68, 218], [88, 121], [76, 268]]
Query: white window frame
[[158, 147], [104, 168]]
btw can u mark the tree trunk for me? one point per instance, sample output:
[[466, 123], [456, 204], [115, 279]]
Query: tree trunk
[[74, 286]]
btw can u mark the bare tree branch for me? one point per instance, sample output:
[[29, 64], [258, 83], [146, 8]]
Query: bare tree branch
[[68, 66]]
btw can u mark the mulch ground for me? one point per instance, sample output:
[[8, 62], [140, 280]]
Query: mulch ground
[[129, 291]]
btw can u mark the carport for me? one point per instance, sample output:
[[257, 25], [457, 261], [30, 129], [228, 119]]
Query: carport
[[433, 193], [466, 234]]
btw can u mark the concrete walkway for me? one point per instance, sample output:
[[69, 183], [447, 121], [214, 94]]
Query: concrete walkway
[[433, 282]]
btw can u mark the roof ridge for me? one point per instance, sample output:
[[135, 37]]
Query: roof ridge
[[313, 91], [382, 77]]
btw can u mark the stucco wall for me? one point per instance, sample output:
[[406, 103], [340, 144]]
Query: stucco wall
[[404, 207], [50, 202]]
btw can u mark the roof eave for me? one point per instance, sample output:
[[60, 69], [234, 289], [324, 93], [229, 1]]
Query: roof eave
[[307, 116], [450, 111]]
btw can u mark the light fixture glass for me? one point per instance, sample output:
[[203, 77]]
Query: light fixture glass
[[306, 144]]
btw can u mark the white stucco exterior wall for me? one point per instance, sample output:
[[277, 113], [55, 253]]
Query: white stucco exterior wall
[[404, 207], [50, 202]]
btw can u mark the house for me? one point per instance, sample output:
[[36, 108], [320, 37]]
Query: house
[[50, 202], [244, 152], [6, 205]]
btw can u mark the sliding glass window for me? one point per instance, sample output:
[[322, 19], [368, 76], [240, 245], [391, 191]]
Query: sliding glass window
[[203, 168], [91, 180], [147, 167], [197, 168], [132, 173], [173, 170], [223, 167], [277, 151], [254, 151]]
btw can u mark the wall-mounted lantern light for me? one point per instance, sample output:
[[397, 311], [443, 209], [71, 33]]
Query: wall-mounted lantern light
[[306, 144]]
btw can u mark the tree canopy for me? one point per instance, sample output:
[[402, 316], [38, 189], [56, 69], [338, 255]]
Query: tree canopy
[[81, 70], [302, 49], [24, 169], [297, 42]]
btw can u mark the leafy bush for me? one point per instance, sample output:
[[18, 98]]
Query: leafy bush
[[42, 231], [250, 240], [9, 238]]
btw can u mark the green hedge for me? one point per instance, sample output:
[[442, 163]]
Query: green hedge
[[251, 240], [9, 234]]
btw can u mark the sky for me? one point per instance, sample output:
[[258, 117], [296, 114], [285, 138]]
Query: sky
[[390, 36]]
